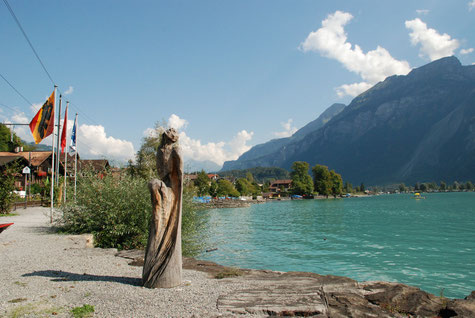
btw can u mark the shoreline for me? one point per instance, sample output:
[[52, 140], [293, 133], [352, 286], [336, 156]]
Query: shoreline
[[225, 204], [44, 274]]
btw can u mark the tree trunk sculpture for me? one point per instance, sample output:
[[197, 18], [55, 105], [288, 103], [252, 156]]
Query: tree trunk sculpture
[[163, 262]]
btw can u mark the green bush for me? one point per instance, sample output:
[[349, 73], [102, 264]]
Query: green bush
[[117, 211], [7, 185], [37, 188]]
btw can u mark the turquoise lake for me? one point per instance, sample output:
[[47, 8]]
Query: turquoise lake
[[427, 243]]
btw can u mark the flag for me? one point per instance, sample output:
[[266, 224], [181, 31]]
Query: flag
[[65, 129], [73, 135], [42, 124]]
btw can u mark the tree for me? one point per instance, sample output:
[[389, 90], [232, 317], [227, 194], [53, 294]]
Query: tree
[[455, 186], [337, 183], [226, 188], [213, 189], [302, 183], [245, 187], [469, 185], [443, 186], [249, 177], [266, 186], [402, 187], [202, 183], [146, 166], [7, 185], [423, 187], [348, 187], [322, 180], [6, 143], [362, 187]]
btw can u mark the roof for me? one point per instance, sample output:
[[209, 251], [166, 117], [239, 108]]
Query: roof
[[70, 157], [281, 182], [95, 164], [37, 157], [7, 159]]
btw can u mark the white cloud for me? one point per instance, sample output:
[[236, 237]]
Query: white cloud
[[176, 122], [471, 5], [217, 152], [466, 51], [70, 90], [331, 41], [288, 131], [352, 89], [423, 11], [433, 44], [93, 140], [238, 146], [150, 132]]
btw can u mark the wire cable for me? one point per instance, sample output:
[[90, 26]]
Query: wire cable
[[11, 108], [42, 65], [21, 95], [28, 40]]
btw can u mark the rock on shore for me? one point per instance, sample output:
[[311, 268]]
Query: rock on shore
[[271, 293]]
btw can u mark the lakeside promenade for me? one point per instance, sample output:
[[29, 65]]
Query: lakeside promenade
[[45, 274]]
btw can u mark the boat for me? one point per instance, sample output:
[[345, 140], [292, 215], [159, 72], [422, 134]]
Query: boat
[[418, 196], [4, 226]]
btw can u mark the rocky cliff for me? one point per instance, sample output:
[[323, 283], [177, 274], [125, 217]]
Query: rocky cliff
[[418, 127]]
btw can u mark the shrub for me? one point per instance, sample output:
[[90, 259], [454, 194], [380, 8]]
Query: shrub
[[7, 186], [118, 211]]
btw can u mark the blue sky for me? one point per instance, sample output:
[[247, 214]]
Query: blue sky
[[228, 74]]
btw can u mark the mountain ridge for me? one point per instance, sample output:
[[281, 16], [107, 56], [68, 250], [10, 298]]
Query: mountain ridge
[[417, 127]]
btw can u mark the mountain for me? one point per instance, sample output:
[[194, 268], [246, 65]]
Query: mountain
[[260, 174], [38, 147], [417, 127], [195, 165], [275, 144]]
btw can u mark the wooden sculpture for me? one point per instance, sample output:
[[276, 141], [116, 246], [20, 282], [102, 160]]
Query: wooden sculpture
[[163, 262]]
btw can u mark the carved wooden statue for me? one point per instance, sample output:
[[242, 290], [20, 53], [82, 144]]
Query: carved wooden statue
[[163, 263]]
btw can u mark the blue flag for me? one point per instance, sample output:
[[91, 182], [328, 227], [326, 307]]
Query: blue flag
[[73, 135]]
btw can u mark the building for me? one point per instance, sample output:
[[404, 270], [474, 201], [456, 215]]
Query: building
[[98, 166], [281, 186], [40, 163]]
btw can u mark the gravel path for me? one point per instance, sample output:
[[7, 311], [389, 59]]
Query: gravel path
[[43, 274]]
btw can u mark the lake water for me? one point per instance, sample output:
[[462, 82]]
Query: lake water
[[425, 243]]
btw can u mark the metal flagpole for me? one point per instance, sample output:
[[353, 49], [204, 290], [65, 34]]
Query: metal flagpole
[[57, 143], [52, 163], [66, 155], [75, 156]]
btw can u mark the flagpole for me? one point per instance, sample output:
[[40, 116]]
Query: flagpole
[[66, 153], [57, 143], [75, 156], [52, 162]]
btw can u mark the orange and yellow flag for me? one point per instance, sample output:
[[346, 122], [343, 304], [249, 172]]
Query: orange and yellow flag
[[42, 124]]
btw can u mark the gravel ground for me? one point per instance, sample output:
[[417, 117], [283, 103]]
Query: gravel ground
[[43, 274]]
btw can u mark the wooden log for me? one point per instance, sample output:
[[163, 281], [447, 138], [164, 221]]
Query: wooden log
[[163, 261]]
